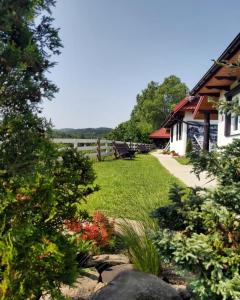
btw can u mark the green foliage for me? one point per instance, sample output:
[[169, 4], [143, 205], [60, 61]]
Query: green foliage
[[141, 250], [40, 185], [208, 242], [32, 217], [153, 106], [129, 131], [189, 147], [184, 202]]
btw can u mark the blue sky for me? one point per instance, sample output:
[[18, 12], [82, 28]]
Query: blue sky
[[113, 48]]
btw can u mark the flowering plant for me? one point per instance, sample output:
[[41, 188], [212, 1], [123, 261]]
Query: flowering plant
[[99, 230]]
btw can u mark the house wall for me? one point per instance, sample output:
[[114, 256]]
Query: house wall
[[222, 139], [179, 146]]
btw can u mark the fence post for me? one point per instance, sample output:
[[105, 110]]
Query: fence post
[[75, 144], [99, 149], [114, 149], [107, 147]]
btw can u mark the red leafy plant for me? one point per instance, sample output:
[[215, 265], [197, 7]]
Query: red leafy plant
[[99, 230]]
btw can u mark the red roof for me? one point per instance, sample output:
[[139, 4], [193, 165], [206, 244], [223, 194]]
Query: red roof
[[160, 134], [187, 104], [178, 106]]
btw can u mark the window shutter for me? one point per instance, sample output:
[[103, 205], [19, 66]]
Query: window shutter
[[177, 127], [227, 128], [171, 130], [180, 129]]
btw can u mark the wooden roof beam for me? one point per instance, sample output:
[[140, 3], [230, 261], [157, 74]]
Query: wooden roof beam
[[231, 78], [210, 94], [212, 111], [218, 87]]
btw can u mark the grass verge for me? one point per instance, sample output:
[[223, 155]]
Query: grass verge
[[183, 160]]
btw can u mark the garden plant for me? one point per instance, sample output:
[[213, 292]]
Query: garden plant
[[41, 186], [204, 237]]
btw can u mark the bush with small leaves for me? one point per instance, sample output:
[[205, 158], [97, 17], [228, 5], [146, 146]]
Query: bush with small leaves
[[200, 230]]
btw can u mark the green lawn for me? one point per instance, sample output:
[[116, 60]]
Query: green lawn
[[183, 160], [130, 188]]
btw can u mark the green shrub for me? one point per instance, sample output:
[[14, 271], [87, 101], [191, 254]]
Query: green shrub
[[189, 147], [207, 242]]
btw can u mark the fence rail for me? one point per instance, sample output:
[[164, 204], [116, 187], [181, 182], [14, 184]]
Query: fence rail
[[97, 148]]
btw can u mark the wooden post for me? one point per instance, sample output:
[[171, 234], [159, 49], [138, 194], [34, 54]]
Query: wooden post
[[114, 149], [99, 150], [107, 147], [206, 136]]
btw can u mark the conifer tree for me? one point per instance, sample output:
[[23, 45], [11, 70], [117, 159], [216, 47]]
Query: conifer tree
[[40, 186]]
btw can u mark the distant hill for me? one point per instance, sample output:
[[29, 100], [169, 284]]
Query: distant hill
[[82, 133]]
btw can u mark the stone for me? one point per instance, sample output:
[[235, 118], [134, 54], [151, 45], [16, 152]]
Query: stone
[[110, 273], [112, 259], [183, 291], [136, 285], [99, 286]]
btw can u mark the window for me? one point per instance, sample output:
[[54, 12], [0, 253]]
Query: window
[[227, 129], [234, 122], [179, 130]]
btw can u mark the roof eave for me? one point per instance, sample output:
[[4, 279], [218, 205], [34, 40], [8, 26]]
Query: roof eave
[[228, 53]]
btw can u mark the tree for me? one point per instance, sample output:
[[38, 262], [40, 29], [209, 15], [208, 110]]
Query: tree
[[41, 186], [128, 131], [153, 106], [157, 100]]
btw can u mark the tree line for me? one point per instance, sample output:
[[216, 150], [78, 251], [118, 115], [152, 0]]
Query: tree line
[[81, 133]]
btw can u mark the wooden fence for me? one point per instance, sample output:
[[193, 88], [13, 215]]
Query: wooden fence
[[97, 148]]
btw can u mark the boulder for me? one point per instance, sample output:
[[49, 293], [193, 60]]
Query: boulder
[[136, 285], [110, 273], [111, 259]]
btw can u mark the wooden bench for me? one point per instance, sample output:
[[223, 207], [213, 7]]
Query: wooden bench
[[143, 149], [122, 150]]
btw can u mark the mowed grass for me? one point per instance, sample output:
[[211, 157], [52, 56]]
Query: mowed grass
[[130, 188], [183, 160]]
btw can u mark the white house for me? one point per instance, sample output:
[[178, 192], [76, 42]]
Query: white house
[[196, 118], [221, 82], [188, 122]]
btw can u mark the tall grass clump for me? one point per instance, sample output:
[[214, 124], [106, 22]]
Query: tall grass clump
[[141, 250]]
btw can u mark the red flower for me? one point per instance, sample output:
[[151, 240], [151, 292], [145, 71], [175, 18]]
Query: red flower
[[99, 231]]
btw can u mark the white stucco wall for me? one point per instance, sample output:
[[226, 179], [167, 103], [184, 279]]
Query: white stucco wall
[[222, 139], [180, 145]]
